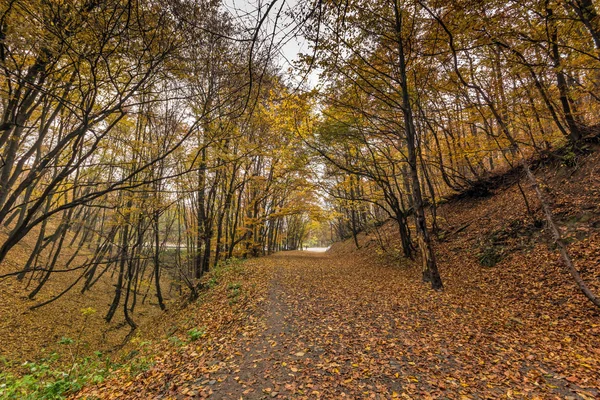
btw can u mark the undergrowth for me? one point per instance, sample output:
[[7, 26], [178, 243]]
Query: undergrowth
[[49, 379]]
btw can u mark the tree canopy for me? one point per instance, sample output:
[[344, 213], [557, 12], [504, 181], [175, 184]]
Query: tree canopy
[[144, 139]]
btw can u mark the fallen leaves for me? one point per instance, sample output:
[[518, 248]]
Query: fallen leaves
[[336, 326]]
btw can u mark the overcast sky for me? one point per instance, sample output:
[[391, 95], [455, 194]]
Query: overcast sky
[[287, 43]]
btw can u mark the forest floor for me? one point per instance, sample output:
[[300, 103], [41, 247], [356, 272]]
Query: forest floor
[[323, 325], [28, 335], [359, 323]]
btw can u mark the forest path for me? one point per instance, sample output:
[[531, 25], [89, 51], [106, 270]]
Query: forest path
[[340, 327], [323, 335], [309, 325]]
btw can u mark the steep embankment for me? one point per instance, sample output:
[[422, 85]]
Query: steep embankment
[[494, 237]]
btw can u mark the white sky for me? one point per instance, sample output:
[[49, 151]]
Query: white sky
[[288, 45]]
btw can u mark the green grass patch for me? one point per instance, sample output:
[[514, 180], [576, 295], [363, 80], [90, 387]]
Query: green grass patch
[[49, 379]]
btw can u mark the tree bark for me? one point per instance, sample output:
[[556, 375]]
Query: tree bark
[[430, 270]]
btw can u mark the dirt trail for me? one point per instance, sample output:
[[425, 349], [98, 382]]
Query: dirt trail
[[341, 327], [311, 345]]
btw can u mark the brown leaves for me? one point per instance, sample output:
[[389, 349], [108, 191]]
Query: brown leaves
[[337, 326]]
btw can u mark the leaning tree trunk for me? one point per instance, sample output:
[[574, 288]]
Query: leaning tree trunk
[[562, 247]]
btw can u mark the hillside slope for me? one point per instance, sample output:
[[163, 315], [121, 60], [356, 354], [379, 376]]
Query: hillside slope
[[30, 334], [505, 233]]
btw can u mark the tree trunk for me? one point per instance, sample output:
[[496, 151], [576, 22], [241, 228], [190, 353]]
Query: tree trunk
[[430, 270]]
